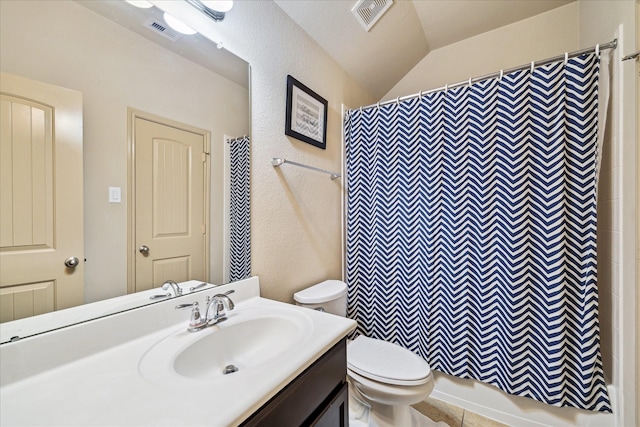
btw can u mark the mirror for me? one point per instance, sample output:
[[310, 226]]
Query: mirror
[[107, 51]]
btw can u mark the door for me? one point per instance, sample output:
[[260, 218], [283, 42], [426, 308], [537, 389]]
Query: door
[[171, 202], [41, 211]]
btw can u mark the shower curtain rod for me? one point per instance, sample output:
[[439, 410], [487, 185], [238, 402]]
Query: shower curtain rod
[[611, 45]]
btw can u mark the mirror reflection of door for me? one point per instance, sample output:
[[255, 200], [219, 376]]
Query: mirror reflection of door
[[41, 211], [171, 202]]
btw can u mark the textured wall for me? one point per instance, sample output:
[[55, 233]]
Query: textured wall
[[295, 213]]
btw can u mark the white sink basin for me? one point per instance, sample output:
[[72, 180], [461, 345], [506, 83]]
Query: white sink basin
[[243, 344], [250, 339]]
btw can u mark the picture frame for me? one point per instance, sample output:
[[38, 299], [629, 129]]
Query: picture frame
[[306, 118]]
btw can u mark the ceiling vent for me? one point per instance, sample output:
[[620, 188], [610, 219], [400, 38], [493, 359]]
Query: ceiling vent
[[367, 12], [162, 29]]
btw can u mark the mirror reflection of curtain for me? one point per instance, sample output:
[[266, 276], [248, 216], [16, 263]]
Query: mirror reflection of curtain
[[240, 212]]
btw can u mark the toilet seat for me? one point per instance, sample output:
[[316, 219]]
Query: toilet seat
[[386, 362]]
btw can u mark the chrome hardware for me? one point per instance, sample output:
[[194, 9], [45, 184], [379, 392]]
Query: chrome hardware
[[195, 322], [170, 284], [279, 161], [153, 297], [319, 309], [144, 250], [71, 262], [229, 369], [196, 287], [219, 303]]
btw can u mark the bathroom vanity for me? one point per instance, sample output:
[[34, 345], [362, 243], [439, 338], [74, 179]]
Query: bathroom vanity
[[142, 367], [317, 397]]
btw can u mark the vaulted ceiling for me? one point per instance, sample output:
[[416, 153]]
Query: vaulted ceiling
[[405, 34]]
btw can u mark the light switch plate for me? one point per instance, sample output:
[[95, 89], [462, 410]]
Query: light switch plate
[[114, 195]]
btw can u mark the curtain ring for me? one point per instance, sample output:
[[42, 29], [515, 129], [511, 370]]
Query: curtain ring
[[470, 82], [420, 96], [361, 109], [566, 58], [501, 74], [378, 105], [446, 87], [597, 49], [532, 65], [398, 101]]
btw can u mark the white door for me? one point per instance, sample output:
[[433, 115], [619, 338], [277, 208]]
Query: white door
[[41, 211], [171, 203]]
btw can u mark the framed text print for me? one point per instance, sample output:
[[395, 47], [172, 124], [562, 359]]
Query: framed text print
[[306, 114]]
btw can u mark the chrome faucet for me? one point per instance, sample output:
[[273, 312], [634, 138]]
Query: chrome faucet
[[170, 284], [218, 303]]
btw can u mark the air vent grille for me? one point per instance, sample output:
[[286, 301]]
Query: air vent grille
[[368, 12], [162, 29]]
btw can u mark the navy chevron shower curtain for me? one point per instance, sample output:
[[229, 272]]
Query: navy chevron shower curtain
[[239, 208], [471, 230]]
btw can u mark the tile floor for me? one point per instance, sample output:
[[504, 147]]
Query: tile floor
[[454, 416]]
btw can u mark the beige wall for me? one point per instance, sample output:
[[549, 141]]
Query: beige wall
[[66, 44], [542, 36], [295, 213]]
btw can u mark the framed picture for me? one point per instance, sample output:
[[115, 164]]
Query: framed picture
[[306, 114]]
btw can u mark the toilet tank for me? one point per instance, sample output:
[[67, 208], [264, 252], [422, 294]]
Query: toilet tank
[[330, 296]]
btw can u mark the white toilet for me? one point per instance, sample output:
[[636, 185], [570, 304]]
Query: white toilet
[[385, 377]]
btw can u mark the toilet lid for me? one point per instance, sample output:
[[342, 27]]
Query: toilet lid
[[386, 362], [322, 292]]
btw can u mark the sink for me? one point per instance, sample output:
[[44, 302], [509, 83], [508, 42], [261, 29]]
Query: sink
[[244, 344], [249, 340]]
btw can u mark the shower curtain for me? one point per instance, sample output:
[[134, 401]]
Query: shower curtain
[[471, 230], [239, 209]]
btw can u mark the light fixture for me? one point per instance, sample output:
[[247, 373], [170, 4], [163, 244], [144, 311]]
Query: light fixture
[[218, 5], [142, 4], [178, 25], [214, 9]]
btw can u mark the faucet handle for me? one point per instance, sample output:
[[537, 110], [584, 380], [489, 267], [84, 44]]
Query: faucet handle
[[195, 323]]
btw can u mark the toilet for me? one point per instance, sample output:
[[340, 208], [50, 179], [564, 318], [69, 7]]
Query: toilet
[[384, 378]]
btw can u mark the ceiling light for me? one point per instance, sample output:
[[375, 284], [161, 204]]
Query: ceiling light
[[178, 25], [218, 5], [214, 9], [142, 4]]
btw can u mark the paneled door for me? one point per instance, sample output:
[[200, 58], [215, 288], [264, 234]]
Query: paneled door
[[171, 202], [41, 211]]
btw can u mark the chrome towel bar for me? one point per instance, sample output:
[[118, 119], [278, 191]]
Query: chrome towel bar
[[279, 161]]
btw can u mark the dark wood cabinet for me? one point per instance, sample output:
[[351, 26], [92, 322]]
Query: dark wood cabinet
[[317, 397]]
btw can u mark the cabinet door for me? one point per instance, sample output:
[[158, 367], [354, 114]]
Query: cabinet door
[[308, 397], [336, 414]]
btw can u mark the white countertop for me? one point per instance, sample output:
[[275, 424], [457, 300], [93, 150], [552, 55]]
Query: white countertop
[[86, 384]]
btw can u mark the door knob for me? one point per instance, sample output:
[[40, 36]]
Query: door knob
[[144, 250], [71, 262]]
